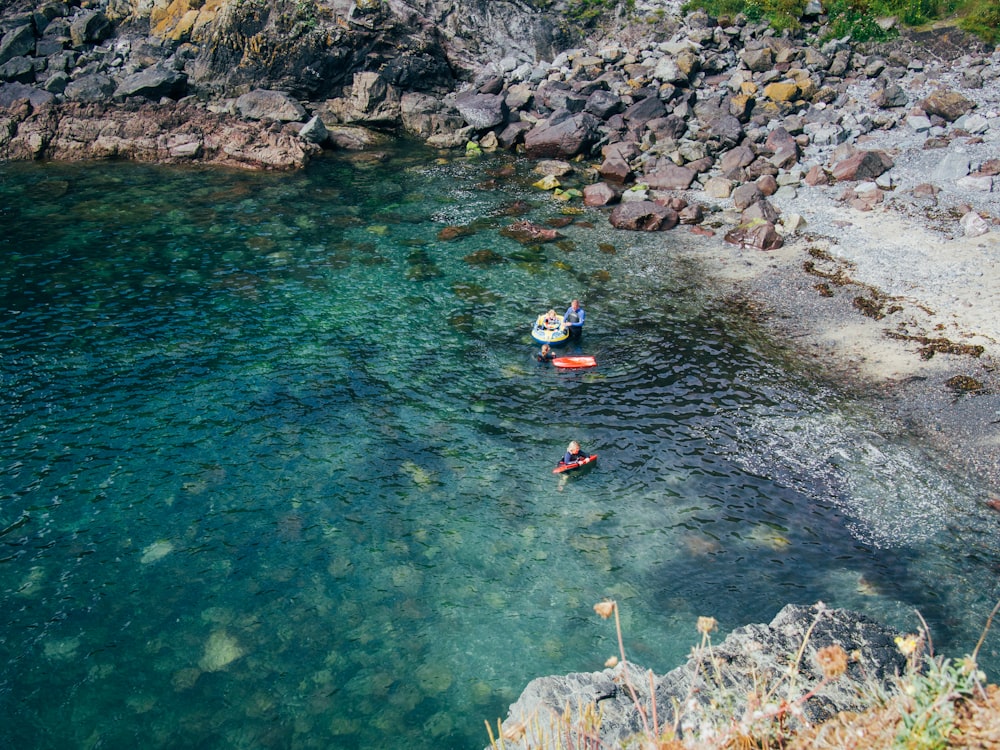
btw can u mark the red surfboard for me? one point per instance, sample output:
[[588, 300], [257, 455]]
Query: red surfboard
[[575, 465], [583, 360]]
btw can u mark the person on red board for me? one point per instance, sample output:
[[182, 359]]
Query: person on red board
[[573, 453]]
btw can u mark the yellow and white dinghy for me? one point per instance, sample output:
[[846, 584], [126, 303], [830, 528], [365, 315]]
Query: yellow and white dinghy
[[553, 334]]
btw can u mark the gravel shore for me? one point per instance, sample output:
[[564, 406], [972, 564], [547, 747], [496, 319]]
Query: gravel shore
[[897, 301], [933, 290]]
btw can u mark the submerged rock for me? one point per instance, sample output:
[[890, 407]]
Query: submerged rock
[[156, 551], [221, 650]]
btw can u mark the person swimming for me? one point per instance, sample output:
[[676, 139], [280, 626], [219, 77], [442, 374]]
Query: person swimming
[[573, 453]]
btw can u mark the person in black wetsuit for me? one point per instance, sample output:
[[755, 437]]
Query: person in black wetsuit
[[546, 354]]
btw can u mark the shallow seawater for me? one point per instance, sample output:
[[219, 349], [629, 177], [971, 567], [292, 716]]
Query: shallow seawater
[[276, 460]]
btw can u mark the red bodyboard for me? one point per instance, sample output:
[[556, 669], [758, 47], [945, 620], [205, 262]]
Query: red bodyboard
[[575, 465], [577, 361]]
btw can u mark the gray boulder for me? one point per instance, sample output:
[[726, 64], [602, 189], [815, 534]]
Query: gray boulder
[[15, 92], [94, 87], [17, 42], [564, 139], [953, 166], [315, 131], [374, 101], [263, 104], [670, 177], [726, 129], [89, 27], [20, 69], [602, 103], [644, 216], [481, 111], [752, 660], [155, 82]]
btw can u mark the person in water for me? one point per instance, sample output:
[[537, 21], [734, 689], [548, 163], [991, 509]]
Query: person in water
[[574, 318], [573, 453], [546, 354]]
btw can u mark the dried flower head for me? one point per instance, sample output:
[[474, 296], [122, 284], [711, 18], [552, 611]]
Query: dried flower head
[[513, 732], [907, 645], [611, 662], [832, 660], [605, 609], [707, 624]]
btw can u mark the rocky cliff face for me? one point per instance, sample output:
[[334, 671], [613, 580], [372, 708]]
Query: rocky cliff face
[[312, 48], [386, 64], [780, 663]]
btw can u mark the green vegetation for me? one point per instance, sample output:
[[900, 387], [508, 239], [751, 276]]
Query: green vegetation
[[938, 704], [859, 18], [983, 19], [587, 11]]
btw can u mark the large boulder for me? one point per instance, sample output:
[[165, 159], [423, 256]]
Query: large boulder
[[262, 104], [17, 42], [946, 104], [18, 70], [756, 234], [563, 139], [670, 177], [644, 110], [374, 101], [862, 165], [315, 131], [746, 195], [602, 104], [12, 93], [89, 27], [643, 215], [481, 111], [424, 115], [735, 159], [717, 684], [615, 169], [783, 146], [726, 129], [154, 83], [95, 87], [601, 194]]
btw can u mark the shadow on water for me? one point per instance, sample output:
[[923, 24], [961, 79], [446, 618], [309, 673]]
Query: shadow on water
[[278, 459]]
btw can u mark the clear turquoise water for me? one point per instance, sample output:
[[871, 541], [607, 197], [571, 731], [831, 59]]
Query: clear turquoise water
[[276, 461]]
